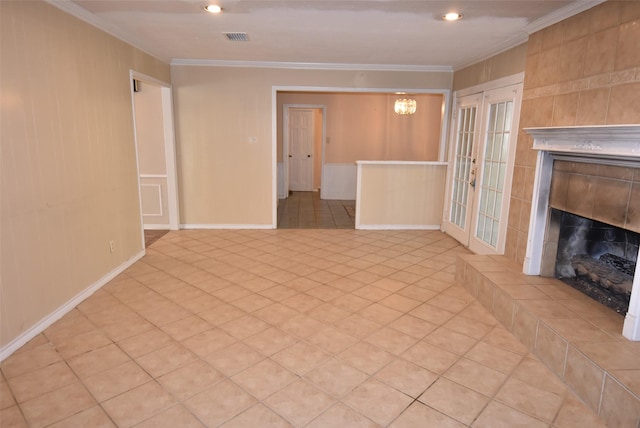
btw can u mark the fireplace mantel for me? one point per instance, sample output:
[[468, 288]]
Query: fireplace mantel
[[607, 144], [606, 141]]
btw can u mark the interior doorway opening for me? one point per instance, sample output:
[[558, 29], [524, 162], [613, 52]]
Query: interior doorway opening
[[155, 154]]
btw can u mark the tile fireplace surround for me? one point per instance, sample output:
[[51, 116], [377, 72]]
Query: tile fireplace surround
[[596, 145]]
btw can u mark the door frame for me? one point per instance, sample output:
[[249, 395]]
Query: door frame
[[169, 147], [482, 90], [442, 153], [285, 142]]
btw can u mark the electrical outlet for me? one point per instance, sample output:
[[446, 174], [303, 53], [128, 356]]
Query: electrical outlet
[[253, 140], [112, 246]]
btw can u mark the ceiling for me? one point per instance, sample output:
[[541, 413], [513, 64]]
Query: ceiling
[[365, 34]]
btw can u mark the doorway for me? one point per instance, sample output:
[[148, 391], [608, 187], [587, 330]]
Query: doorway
[[155, 151], [482, 159]]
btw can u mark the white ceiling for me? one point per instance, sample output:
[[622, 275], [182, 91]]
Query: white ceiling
[[376, 34]]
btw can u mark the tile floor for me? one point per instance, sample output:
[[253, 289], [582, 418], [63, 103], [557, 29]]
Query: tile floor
[[305, 210], [302, 328]]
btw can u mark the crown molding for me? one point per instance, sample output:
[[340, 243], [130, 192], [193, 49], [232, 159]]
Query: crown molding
[[312, 65], [561, 14]]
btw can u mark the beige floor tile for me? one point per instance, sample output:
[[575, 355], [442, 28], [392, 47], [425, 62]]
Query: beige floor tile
[[406, 377], [302, 302], [222, 314], [390, 284], [145, 343], [176, 416], [367, 357], [372, 293], [114, 381], [400, 303], [377, 401], [219, 403], [301, 357], [419, 415], [328, 313], [270, 341], [351, 303], [79, 344], [380, 313], [533, 372], [243, 327], [138, 404], [278, 292], [455, 401], [127, 328], [233, 358], [40, 381], [207, 342], [27, 361], [494, 357], [93, 417], [450, 340], [416, 293], [391, 340], [432, 314], [189, 380], [165, 360], [11, 417], [72, 324], [252, 302], [275, 314], [336, 377], [97, 360], [497, 415], [430, 357], [340, 415], [57, 405], [299, 402], [332, 340], [475, 376], [502, 338], [201, 303], [186, 327], [574, 414], [302, 326], [529, 399], [357, 326], [264, 378], [413, 326], [6, 397], [257, 416]]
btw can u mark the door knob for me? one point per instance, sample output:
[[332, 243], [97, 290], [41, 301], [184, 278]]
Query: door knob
[[289, 155], [308, 156]]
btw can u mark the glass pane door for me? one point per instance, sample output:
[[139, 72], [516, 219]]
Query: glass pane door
[[463, 162], [494, 168]]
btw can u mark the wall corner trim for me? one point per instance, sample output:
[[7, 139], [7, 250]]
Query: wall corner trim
[[47, 321]]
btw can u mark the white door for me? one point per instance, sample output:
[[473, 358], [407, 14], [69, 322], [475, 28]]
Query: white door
[[483, 167], [301, 134]]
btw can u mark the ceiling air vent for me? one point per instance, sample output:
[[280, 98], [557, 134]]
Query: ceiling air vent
[[237, 37]]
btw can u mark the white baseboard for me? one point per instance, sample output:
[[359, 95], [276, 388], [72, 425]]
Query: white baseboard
[[227, 226], [157, 227], [41, 325], [398, 227]]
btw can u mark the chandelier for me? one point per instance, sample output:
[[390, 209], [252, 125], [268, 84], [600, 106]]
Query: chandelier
[[405, 106]]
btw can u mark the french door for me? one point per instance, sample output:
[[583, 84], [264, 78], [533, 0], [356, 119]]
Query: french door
[[481, 160]]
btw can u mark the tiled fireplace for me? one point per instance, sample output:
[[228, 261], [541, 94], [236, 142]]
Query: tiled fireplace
[[593, 173]]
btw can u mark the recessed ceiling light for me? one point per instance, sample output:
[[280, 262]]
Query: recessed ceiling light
[[213, 8], [452, 16]]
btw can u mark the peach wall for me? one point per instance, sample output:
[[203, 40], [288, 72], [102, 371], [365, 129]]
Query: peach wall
[[68, 164], [584, 70], [365, 127], [219, 108]]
